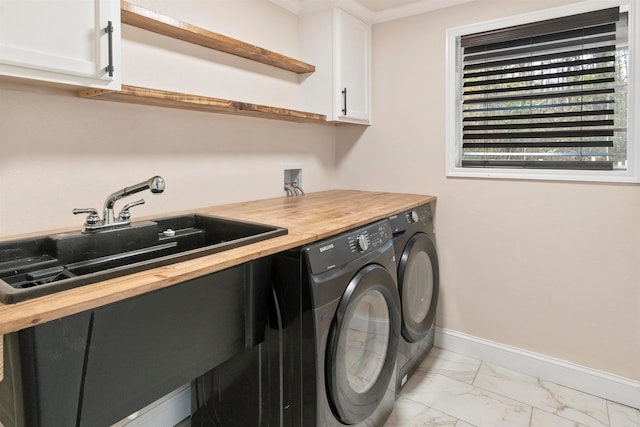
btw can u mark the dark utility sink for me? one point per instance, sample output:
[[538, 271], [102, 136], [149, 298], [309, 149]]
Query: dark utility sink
[[44, 265]]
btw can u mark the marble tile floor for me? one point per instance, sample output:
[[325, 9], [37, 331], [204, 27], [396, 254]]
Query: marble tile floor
[[453, 390]]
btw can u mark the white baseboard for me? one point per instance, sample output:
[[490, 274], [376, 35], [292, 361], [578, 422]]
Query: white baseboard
[[602, 384]]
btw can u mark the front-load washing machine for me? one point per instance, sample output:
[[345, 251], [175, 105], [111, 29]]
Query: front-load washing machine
[[418, 285], [339, 311]]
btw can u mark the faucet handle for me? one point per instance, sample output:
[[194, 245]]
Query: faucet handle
[[92, 219], [124, 214]]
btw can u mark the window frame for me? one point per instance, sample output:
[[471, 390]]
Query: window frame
[[454, 99]]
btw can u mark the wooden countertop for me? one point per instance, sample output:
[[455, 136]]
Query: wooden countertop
[[309, 218]]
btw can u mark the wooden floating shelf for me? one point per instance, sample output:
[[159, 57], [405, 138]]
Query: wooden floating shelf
[[137, 16], [161, 98]]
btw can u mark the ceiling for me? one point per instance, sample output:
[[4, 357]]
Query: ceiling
[[378, 5], [373, 11]]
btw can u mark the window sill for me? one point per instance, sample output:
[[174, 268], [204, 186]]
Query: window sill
[[621, 177]]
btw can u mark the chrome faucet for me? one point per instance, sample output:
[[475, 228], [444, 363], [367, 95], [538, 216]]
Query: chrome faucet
[[109, 220], [155, 184]]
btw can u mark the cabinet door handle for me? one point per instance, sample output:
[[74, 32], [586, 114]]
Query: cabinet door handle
[[109, 31], [344, 100]]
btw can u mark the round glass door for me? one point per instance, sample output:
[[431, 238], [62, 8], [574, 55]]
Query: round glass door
[[418, 284], [363, 343], [366, 341]]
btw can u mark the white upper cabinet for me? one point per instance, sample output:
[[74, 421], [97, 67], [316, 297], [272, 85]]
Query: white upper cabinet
[[339, 44], [62, 41]]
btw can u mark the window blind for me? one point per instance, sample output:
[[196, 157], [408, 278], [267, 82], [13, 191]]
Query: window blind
[[548, 94]]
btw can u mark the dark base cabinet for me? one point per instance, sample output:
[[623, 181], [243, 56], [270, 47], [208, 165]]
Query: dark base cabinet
[[255, 388], [96, 367], [239, 392]]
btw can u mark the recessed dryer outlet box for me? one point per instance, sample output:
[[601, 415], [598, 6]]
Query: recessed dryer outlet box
[[293, 176], [292, 180]]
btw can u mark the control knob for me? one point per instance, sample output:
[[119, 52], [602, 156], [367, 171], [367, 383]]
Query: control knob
[[414, 216], [363, 243]]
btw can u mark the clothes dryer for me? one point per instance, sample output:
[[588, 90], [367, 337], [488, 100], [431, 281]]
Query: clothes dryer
[[340, 314], [418, 286]]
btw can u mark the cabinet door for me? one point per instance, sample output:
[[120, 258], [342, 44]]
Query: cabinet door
[[352, 49], [61, 41]]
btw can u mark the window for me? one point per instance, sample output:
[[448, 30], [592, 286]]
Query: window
[[546, 95]]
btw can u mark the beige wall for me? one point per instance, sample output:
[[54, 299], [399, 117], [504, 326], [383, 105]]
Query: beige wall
[[58, 152], [549, 267]]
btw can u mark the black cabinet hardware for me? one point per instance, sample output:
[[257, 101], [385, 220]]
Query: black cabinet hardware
[[109, 31], [344, 100]]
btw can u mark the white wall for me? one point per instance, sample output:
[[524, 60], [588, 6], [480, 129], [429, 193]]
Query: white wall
[[548, 267], [58, 151]]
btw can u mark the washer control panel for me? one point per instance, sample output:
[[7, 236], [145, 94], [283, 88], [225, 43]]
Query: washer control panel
[[344, 248], [404, 220], [364, 239]]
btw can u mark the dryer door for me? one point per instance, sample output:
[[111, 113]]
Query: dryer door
[[418, 284], [363, 344]]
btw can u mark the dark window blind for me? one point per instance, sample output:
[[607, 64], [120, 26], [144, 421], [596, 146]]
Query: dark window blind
[[549, 94]]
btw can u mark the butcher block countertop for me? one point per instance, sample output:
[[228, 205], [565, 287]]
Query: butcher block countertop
[[308, 218]]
